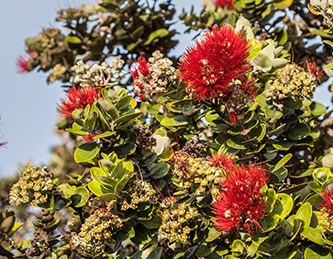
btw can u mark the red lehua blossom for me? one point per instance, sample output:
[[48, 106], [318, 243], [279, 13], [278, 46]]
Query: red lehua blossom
[[212, 64], [143, 66], [240, 204], [22, 64], [223, 160], [327, 197], [233, 117], [312, 68], [77, 98], [89, 138], [228, 3]]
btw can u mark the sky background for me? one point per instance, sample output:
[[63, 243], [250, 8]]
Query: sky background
[[27, 104]]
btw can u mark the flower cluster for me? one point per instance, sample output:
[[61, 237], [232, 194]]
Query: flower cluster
[[215, 65], [78, 98], [194, 148], [154, 76], [97, 75], [58, 73], [240, 204], [34, 186], [177, 219], [292, 82], [98, 230], [139, 191], [323, 8], [196, 175], [144, 138]]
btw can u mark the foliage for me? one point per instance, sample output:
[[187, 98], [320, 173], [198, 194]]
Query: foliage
[[221, 152]]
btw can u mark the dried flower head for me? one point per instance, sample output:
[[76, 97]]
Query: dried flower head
[[177, 221], [78, 98], [216, 64], [144, 139], [154, 76], [240, 204], [98, 230], [34, 186]]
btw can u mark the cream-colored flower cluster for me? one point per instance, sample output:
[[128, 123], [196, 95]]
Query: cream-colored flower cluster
[[160, 74], [176, 221], [292, 82], [196, 175], [97, 75], [140, 191], [34, 187], [97, 230]]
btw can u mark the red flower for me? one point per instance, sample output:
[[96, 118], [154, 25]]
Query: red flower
[[211, 65], [327, 197], [22, 64], [312, 68], [77, 98], [240, 204], [89, 138], [228, 3], [224, 161], [233, 117], [143, 68]]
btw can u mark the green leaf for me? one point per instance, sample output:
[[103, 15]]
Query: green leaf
[[159, 170], [235, 143], [330, 65], [304, 213], [317, 109], [255, 47], [67, 190], [125, 120], [283, 145], [86, 152], [212, 234], [174, 122], [237, 247], [299, 131], [80, 197], [282, 162], [73, 39], [315, 252], [313, 234], [160, 33], [287, 204]]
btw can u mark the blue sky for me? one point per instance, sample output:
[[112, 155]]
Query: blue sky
[[27, 103]]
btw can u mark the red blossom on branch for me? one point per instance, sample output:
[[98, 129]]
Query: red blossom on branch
[[311, 67], [211, 66], [327, 197], [23, 65], [240, 204], [78, 98], [223, 160], [228, 3]]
